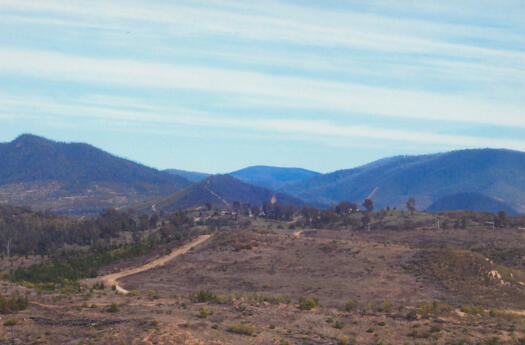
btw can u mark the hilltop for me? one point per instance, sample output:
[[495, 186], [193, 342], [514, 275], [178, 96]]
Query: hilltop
[[222, 191], [75, 177]]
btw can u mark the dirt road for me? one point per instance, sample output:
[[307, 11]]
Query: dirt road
[[111, 279]]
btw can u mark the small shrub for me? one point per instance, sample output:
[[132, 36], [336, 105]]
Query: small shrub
[[203, 296], [387, 307], [472, 310], [152, 294], [308, 303], [412, 315], [113, 308], [242, 329], [134, 293], [203, 313], [344, 340], [11, 321], [98, 286], [13, 304], [350, 305], [338, 325]]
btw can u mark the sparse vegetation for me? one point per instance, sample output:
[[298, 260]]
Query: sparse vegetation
[[11, 322], [308, 303], [113, 308], [12, 304], [243, 329], [258, 279], [203, 313], [350, 305], [203, 296]]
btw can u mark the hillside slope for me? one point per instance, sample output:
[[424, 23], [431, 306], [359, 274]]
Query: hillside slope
[[272, 177], [470, 201], [499, 174], [75, 177], [222, 191]]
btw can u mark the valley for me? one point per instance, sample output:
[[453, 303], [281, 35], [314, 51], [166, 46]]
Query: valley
[[112, 252]]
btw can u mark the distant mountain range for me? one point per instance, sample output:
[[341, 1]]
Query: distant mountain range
[[272, 177], [221, 191], [192, 176], [79, 179], [259, 175], [75, 178], [499, 174]]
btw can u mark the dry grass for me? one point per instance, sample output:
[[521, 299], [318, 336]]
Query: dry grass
[[251, 296]]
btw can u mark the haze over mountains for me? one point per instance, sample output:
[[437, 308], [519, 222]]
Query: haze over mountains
[[273, 177], [192, 176], [79, 178]]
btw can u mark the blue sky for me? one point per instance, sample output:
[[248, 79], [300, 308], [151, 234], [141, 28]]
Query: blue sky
[[219, 85]]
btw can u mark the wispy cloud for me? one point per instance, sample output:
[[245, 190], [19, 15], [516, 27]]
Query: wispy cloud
[[97, 107], [296, 91], [266, 67]]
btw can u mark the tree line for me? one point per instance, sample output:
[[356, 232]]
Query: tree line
[[24, 231]]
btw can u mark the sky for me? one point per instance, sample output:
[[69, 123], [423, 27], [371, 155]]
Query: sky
[[216, 86]]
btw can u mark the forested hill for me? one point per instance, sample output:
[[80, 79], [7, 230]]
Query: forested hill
[[222, 191], [470, 201], [499, 174], [75, 177]]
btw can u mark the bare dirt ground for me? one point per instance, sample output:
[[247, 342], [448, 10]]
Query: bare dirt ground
[[287, 265], [254, 283], [112, 279]]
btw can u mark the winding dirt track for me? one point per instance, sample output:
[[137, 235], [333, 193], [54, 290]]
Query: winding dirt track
[[111, 279]]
